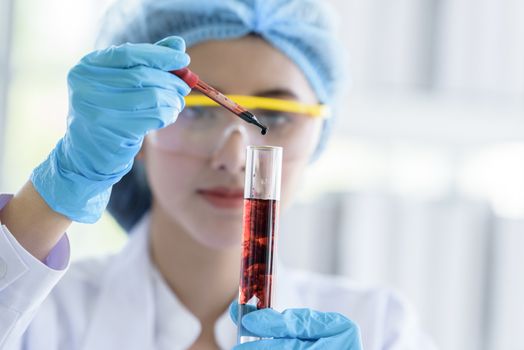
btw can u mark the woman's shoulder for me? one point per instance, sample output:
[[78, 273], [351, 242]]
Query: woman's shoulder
[[339, 288], [383, 314], [64, 315], [86, 273], [79, 290], [81, 284], [86, 280]]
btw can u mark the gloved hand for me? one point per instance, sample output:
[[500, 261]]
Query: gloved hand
[[116, 96], [298, 329]]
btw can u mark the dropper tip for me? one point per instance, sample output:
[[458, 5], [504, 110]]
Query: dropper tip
[[251, 118]]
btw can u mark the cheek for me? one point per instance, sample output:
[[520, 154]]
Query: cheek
[[293, 169], [314, 131], [170, 176], [291, 178]]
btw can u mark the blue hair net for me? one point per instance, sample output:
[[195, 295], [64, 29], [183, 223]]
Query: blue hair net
[[304, 30], [301, 29]]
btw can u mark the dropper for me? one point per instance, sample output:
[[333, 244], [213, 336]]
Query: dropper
[[194, 82]]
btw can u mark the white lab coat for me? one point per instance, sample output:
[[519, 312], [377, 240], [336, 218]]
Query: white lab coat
[[121, 302]]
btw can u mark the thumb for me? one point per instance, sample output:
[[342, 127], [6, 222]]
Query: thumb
[[235, 310], [173, 42]]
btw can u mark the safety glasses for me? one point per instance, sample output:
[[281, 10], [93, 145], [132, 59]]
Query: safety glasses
[[264, 103], [203, 127]]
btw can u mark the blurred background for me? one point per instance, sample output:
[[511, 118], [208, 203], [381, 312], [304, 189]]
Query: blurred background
[[422, 186]]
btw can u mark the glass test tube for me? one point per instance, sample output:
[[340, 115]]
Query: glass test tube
[[260, 228]]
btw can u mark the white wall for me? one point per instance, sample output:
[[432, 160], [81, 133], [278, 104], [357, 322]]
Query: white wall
[[5, 42], [464, 45], [458, 51], [458, 263]]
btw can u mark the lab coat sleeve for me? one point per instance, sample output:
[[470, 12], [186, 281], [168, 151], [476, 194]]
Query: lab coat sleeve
[[25, 282]]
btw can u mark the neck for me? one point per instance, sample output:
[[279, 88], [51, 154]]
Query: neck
[[204, 279]]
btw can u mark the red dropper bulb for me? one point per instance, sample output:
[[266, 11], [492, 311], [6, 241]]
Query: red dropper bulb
[[190, 78]]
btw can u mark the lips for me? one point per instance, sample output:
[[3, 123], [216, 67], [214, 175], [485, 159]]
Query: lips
[[223, 197]]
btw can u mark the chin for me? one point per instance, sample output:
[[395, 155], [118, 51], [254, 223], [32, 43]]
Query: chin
[[219, 237]]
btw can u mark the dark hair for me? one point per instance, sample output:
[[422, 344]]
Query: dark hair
[[130, 197]]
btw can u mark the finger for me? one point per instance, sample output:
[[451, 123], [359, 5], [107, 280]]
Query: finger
[[131, 55], [127, 100], [237, 311], [135, 77], [234, 310], [174, 42], [135, 122], [296, 323]]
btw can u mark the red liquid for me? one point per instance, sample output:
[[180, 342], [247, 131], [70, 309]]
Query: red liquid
[[258, 248], [194, 82], [219, 98]]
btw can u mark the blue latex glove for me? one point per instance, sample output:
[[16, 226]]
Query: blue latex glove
[[298, 329], [116, 96]]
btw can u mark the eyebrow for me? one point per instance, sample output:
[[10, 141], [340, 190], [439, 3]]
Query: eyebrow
[[278, 92]]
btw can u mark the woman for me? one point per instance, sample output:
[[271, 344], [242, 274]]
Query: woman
[[171, 286]]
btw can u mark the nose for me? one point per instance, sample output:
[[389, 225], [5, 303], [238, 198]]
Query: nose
[[231, 155]]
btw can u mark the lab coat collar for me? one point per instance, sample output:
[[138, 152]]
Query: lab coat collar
[[225, 331], [176, 321], [175, 326], [124, 313]]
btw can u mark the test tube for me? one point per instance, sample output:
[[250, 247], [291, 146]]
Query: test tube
[[260, 232]]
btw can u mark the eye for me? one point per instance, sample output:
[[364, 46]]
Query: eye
[[197, 118], [274, 118], [196, 114]]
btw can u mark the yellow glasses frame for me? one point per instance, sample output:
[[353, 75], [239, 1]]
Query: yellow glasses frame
[[272, 104]]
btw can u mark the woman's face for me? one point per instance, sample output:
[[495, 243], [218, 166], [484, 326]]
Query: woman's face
[[204, 195]]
